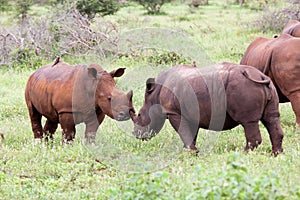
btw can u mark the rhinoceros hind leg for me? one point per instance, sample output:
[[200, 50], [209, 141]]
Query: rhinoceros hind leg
[[295, 101], [35, 118], [253, 136], [49, 129], [187, 131], [276, 134], [66, 121]]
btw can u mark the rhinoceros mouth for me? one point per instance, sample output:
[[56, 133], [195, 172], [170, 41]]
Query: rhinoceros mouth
[[122, 116], [143, 133]]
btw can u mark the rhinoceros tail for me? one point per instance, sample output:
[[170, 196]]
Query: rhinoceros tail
[[268, 64], [262, 81], [56, 61]]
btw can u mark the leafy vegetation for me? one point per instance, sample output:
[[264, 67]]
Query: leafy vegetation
[[120, 166], [152, 6], [87, 8], [3, 5], [22, 8], [92, 7]]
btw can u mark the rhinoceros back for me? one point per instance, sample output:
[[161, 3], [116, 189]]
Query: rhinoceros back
[[50, 89], [199, 93]]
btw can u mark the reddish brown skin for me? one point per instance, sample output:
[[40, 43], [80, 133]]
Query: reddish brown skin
[[278, 58], [70, 95], [250, 97], [292, 28]]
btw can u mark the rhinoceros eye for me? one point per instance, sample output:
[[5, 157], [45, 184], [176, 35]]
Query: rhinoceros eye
[[109, 99]]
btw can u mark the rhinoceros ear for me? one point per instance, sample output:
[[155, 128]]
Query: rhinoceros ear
[[117, 73], [150, 85], [92, 72]]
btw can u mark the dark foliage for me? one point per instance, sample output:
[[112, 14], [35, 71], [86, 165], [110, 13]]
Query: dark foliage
[[90, 8], [152, 6], [3, 5]]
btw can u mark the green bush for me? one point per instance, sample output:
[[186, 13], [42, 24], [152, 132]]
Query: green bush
[[26, 59], [260, 4], [90, 8], [152, 6], [3, 5], [22, 7], [158, 57]]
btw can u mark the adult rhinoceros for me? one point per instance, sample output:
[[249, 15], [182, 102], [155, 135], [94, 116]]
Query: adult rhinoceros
[[216, 98], [70, 95], [278, 58], [292, 28]]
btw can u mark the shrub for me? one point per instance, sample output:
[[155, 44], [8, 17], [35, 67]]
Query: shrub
[[22, 7], [260, 4], [274, 19], [292, 10], [196, 3], [3, 5], [152, 6], [157, 57], [25, 59], [65, 32], [90, 8]]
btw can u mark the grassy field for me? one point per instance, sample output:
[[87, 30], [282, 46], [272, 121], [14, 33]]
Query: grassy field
[[122, 167]]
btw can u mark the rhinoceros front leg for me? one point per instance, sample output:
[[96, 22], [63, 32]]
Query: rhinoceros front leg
[[253, 136], [187, 131], [67, 123], [92, 127]]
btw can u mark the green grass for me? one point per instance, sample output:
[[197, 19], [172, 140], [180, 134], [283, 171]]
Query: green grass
[[122, 167]]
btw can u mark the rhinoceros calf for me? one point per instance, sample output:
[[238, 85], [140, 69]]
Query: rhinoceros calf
[[70, 95], [215, 98]]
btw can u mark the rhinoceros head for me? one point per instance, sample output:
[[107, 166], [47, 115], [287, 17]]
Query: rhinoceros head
[[112, 102], [150, 118]]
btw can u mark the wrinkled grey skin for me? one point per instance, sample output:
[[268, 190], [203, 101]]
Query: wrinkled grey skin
[[215, 98]]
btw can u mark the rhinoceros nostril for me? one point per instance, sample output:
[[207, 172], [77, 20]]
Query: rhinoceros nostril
[[123, 116]]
